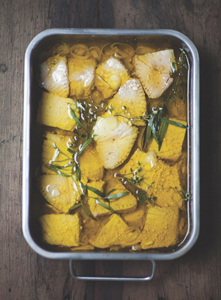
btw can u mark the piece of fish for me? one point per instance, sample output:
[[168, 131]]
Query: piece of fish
[[156, 178], [55, 150], [60, 191], [172, 145], [81, 76], [114, 140], [115, 232], [54, 75], [161, 227], [154, 71], [129, 102], [55, 111], [91, 165], [61, 230], [109, 76]]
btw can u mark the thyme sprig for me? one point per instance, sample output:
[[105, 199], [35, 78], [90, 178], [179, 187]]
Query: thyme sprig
[[133, 180], [134, 176], [186, 195], [143, 197], [88, 112]]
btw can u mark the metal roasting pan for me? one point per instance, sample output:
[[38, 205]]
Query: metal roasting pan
[[48, 38]]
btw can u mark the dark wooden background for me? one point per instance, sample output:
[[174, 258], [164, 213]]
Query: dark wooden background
[[26, 276]]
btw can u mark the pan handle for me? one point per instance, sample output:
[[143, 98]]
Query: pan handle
[[96, 278]]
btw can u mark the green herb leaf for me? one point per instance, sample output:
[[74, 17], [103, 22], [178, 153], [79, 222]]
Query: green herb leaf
[[78, 172], [174, 123], [111, 191], [106, 206], [173, 67], [146, 138], [118, 195], [162, 132], [96, 191], [56, 170], [142, 196], [87, 212], [74, 207], [86, 143], [76, 119], [71, 151]]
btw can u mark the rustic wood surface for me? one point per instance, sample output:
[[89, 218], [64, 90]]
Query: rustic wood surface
[[27, 276]]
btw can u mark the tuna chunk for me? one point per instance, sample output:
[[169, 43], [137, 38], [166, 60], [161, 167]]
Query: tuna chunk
[[54, 75], [61, 230], [114, 140], [161, 227], [90, 164], [157, 178], [61, 192], [171, 148], [55, 111], [110, 75], [115, 232], [81, 76], [129, 101], [154, 71]]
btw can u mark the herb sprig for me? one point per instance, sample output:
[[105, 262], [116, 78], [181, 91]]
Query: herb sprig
[[186, 195], [109, 197], [178, 69], [157, 121], [133, 181]]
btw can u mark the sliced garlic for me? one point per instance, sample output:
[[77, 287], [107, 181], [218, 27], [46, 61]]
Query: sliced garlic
[[150, 158], [114, 82]]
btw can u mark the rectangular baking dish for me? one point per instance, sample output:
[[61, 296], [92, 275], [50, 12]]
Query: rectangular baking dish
[[48, 38]]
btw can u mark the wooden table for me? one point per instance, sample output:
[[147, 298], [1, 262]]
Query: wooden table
[[24, 275]]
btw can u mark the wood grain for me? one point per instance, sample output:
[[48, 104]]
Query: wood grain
[[24, 274]]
